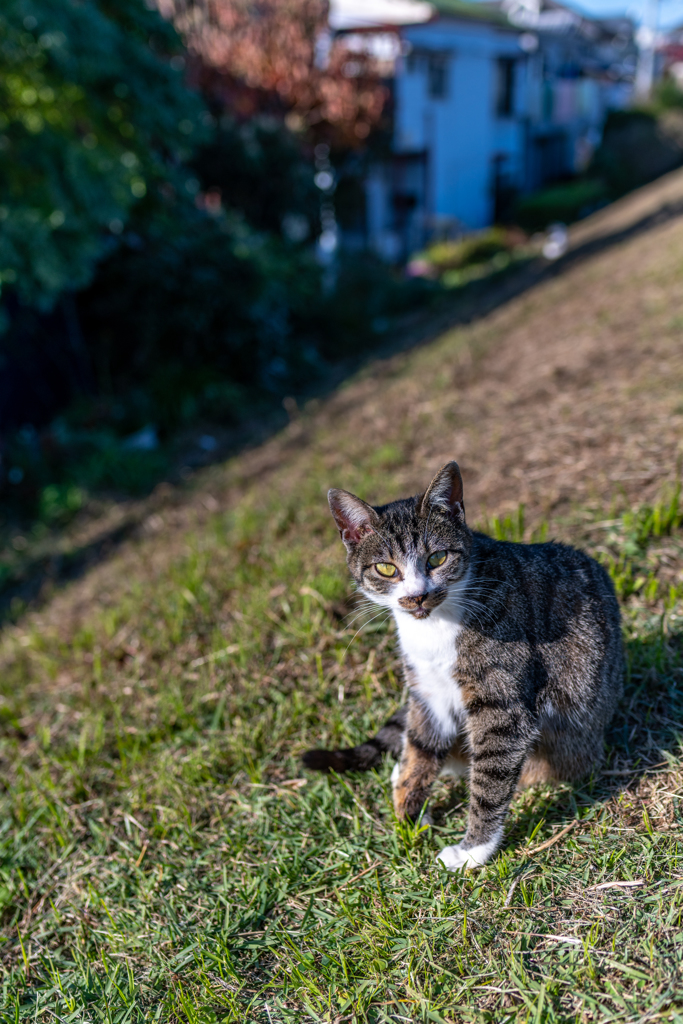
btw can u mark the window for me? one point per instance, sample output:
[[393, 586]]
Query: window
[[437, 75], [505, 90]]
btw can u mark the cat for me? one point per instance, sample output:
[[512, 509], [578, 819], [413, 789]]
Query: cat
[[512, 655]]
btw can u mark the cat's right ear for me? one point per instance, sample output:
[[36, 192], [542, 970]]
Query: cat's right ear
[[355, 519]]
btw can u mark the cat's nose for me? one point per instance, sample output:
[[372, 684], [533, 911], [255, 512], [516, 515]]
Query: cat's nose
[[415, 601]]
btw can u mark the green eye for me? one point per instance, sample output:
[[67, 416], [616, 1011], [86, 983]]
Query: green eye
[[437, 559], [386, 569]]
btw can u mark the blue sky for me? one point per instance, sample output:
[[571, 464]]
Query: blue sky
[[670, 11]]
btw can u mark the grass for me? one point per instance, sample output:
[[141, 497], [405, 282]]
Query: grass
[[163, 857]]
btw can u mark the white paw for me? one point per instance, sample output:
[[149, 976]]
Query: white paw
[[454, 857], [395, 772]]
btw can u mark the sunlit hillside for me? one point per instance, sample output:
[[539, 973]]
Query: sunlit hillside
[[164, 857]]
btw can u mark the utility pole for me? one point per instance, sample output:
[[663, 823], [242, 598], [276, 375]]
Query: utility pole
[[646, 37]]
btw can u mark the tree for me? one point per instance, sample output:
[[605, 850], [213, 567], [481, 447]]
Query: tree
[[94, 115], [278, 56]]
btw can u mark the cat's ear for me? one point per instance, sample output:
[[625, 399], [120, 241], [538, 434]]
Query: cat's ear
[[353, 516], [445, 491]]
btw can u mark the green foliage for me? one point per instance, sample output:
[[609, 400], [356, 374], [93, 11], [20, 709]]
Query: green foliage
[[195, 302], [257, 168], [366, 294], [156, 264], [667, 95], [647, 522], [93, 116], [638, 146], [209, 319], [478, 256], [560, 204], [200, 320], [58, 473], [477, 248], [58, 503], [512, 527]]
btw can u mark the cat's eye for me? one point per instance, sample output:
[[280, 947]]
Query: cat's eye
[[386, 569], [437, 559]]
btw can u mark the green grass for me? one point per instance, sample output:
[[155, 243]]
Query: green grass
[[164, 858]]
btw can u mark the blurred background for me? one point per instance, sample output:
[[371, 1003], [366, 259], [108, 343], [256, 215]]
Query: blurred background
[[211, 211]]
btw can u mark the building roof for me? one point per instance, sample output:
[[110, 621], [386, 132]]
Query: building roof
[[538, 16], [490, 12], [368, 14], [365, 14]]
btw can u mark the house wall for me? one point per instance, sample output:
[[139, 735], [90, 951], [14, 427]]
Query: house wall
[[458, 157], [460, 131]]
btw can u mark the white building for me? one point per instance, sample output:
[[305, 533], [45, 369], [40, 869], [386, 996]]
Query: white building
[[490, 100]]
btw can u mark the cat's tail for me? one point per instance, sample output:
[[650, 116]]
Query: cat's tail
[[366, 755]]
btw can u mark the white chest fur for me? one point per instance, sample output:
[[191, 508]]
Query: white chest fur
[[430, 647]]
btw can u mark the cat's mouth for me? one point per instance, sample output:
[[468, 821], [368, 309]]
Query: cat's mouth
[[421, 613]]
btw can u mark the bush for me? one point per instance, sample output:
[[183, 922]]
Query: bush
[[187, 318], [258, 168], [466, 252], [348, 321], [667, 95], [215, 320], [561, 203], [214, 324], [638, 146]]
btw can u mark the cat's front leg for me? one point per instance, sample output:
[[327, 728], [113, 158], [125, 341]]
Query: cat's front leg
[[499, 745], [412, 780], [421, 761]]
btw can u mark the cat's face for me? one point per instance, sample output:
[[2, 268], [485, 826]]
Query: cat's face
[[409, 555]]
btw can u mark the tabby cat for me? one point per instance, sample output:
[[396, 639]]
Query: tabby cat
[[512, 656]]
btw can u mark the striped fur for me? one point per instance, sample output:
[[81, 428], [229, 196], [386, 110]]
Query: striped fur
[[512, 655]]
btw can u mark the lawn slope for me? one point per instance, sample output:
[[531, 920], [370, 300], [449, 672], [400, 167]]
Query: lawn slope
[[163, 857]]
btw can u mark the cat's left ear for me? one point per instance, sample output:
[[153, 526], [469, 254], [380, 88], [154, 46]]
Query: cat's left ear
[[445, 492]]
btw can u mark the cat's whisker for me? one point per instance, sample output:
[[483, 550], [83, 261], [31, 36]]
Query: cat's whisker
[[384, 611], [363, 611], [362, 601], [472, 614], [473, 594], [469, 612]]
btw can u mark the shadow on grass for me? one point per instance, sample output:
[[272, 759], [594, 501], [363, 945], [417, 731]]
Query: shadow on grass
[[36, 579], [39, 576]]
